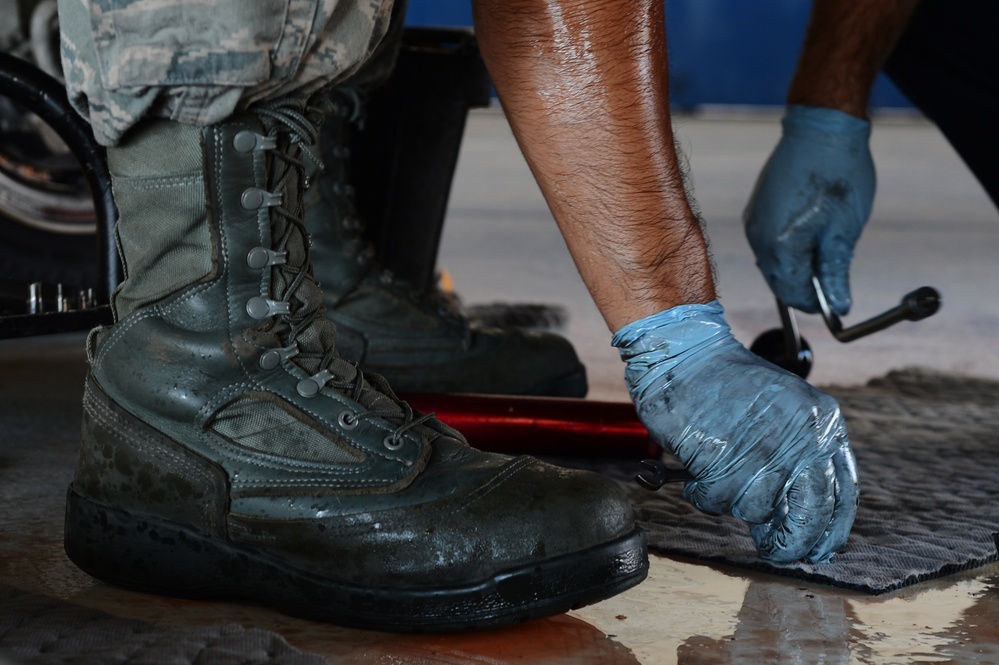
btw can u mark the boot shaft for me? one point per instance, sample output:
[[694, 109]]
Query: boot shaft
[[221, 204], [243, 344], [163, 234]]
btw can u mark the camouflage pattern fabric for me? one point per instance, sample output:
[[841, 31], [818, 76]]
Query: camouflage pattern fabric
[[198, 61]]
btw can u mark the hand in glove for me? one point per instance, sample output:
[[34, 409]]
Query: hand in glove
[[761, 443], [810, 205]]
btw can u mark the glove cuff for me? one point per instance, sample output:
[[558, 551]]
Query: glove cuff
[[657, 345], [672, 332], [820, 122]]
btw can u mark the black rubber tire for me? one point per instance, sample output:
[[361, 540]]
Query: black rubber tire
[[29, 253]]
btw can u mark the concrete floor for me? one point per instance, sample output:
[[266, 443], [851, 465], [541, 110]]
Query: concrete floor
[[932, 225]]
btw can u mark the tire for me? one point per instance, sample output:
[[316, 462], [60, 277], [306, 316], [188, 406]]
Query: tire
[[47, 217]]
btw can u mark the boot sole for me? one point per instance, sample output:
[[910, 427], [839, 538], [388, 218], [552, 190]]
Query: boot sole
[[157, 556]]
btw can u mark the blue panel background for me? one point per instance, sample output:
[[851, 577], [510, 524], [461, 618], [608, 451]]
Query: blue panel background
[[736, 52]]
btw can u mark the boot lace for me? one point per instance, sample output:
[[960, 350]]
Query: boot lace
[[308, 336]]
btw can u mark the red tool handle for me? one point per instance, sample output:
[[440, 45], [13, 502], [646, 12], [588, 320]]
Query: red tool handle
[[542, 425]]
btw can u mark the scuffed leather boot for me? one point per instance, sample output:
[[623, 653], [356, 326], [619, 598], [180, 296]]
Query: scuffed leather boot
[[229, 451], [420, 342]]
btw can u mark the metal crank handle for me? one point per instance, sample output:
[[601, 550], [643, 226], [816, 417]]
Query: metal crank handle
[[920, 304]]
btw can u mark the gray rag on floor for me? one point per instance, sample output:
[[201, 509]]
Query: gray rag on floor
[[927, 447]]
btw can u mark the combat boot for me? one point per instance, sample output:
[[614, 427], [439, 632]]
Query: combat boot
[[229, 451], [420, 341]]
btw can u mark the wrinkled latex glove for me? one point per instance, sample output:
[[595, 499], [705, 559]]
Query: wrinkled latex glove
[[760, 443], [810, 205]]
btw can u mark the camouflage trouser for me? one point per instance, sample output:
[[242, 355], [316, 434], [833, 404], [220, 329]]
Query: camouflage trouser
[[198, 61]]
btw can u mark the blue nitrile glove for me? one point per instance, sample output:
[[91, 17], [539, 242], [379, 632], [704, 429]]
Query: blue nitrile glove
[[810, 204], [761, 443]]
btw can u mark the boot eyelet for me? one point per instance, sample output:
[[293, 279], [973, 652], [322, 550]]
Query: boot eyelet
[[271, 358], [347, 420], [247, 141], [255, 198], [311, 386], [260, 308], [259, 258], [393, 443]]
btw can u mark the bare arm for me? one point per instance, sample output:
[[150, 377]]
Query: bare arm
[[815, 193], [846, 45], [584, 85]]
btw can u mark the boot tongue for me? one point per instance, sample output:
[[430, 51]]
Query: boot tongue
[[316, 341], [293, 281]]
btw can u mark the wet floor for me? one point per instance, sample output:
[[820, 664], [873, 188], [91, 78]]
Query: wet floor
[[685, 612]]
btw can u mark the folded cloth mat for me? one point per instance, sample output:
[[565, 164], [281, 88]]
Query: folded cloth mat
[[927, 447]]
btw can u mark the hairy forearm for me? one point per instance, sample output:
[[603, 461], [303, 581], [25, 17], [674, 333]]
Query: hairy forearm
[[846, 45], [583, 83]]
